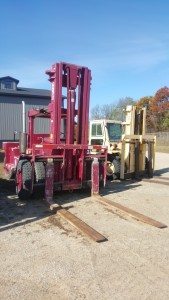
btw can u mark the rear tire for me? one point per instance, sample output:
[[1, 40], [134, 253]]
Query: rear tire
[[148, 167], [24, 179]]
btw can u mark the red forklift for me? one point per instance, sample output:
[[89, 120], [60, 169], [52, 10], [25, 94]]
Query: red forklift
[[61, 159]]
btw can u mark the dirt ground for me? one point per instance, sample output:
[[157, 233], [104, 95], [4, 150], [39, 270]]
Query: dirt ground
[[43, 257]]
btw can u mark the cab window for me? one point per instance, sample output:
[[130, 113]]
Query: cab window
[[96, 130]]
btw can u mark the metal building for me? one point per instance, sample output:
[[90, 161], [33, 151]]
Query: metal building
[[11, 97]]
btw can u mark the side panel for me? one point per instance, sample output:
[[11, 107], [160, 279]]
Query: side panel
[[11, 116]]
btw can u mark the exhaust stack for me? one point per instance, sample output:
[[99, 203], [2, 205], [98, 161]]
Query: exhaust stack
[[23, 135]]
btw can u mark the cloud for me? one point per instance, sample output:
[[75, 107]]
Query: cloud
[[136, 55]]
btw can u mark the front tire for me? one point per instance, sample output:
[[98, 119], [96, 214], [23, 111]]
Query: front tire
[[113, 168], [24, 179]]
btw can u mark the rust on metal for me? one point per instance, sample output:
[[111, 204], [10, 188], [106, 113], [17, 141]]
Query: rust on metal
[[81, 226], [76, 222], [134, 214], [49, 178], [95, 177], [65, 147]]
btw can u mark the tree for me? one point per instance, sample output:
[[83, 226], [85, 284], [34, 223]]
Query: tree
[[157, 109], [145, 102], [107, 111], [96, 112], [118, 113], [123, 102], [110, 111], [165, 122], [160, 108], [160, 102], [150, 118]]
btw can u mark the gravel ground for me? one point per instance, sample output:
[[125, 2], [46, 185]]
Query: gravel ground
[[43, 257]]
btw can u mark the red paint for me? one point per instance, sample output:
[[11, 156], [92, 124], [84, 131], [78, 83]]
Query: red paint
[[95, 176], [49, 179], [71, 168]]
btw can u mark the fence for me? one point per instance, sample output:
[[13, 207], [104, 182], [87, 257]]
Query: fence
[[162, 137]]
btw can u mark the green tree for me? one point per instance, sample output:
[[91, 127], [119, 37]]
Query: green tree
[[165, 122]]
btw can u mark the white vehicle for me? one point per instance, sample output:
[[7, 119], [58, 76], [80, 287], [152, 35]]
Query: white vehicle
[[127, 143], [108, 133]]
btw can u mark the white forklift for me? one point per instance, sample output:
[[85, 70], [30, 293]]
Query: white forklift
[[108, 133], [131, 152]]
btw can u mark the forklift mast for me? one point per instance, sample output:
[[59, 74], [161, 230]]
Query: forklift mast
[[75, 81], [62, 158]]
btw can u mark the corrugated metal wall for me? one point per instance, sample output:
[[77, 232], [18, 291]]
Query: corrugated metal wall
[[11, 116]]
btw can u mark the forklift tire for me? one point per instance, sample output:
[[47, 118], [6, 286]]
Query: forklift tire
[[146, 163], [39, 172], [148, 167], [113, 170], [24, 179]]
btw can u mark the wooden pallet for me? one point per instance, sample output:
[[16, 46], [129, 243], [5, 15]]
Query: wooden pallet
[[134, 214]]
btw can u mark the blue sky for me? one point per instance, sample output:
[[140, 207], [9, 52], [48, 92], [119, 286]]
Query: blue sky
[[125, 43]]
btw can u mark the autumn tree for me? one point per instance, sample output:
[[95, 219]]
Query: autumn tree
[[160, 102], [160, 108], [150, 118], [157, 109]]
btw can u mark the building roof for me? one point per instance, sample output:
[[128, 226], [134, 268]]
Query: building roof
[[26, 92], [21, 91], [9, 77]]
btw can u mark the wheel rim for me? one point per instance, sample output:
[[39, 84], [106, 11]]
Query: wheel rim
[[110, 169]]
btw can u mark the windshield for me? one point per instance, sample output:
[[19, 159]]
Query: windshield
[[114, 131]]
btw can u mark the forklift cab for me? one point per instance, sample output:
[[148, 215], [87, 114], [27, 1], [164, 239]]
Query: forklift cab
[[105, 132]]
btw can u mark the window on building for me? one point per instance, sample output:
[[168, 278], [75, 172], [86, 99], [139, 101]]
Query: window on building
[[8, 85]]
